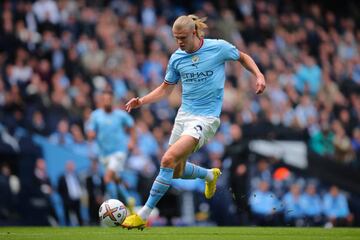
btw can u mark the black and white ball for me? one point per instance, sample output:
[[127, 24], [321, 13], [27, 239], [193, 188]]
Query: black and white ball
[[112, 213]]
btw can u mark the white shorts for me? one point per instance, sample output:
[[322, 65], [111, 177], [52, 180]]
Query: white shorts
[[114, 162], [200, 127]]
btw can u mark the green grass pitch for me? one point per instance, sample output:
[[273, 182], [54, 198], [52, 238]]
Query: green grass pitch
[[177, 233]]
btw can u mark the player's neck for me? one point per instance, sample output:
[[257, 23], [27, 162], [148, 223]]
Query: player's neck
[[108, 109], [198, 42]]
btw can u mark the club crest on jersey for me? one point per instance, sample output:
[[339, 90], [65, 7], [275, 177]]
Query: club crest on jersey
[[195, 60]]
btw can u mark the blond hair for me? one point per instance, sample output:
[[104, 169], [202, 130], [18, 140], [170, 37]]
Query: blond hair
[[192, 22]]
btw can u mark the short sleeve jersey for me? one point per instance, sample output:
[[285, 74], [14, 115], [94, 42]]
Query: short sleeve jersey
[[202, 75], [110, 130]]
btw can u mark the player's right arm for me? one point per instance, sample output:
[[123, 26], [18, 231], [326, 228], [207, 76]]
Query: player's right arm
[[157, 94], [91, 135], [90, 127]]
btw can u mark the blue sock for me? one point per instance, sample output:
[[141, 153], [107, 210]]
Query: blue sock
[[123, 192], [160, 186], [111, 190], [193, 171]]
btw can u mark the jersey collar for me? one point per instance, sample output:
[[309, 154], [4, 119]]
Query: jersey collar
[[200, 45]]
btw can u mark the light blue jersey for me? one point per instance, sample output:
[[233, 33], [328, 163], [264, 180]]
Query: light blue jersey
[[110, 130], [202, 74]]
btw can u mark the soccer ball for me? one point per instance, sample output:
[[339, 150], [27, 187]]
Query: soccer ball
[[112, 213]]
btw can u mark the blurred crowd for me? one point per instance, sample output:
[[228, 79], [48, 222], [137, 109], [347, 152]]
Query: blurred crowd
[[280, 197], [56, 57]]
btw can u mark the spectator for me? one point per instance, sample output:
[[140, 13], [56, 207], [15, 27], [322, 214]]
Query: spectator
[[322, 142], [95, 187], [308, 77], [46, 10], [70, 190], [43, 188], [238, 152], [264, 205], [355, 142], [94, 58], [62, 136], [261, 173], [311, 205], [336, 208], [38, 124], [305, 111], [79, 145], [330, 94], [342, 144], [8, 198], [293, 211]]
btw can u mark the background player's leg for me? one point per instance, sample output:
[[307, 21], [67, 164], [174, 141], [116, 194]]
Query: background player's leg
[[124, 194], [110, 183], [109, 176], [179, 151], [121, 192]]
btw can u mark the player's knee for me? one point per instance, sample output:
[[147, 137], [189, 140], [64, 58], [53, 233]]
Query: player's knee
[[168, 161]]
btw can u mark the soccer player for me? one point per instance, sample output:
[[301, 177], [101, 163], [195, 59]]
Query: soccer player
[[109, 127], [200, 65]]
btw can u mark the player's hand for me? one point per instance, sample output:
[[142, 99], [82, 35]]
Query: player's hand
[[260, 84], [132, 104], [131, 145]]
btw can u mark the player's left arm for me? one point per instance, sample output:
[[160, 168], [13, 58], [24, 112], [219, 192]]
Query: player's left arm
[[251, 66], [129, 124], [133, 138]]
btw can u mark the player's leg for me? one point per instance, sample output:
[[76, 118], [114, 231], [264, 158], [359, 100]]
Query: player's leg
[[119, 165], [115, 165], [109, 176], [187, 170], [191, 126], [192, 171], [111, 180], [173, 157], [112, 177], [202, 128], [177, 152]]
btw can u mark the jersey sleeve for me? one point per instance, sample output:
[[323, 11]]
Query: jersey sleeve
[[127, 119], [228, 51], [172, 75]]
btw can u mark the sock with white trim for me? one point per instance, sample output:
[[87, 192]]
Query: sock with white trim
[[158, 190]]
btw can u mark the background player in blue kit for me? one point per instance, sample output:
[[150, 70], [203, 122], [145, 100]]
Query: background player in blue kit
[[109, 127], [200, 65]]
